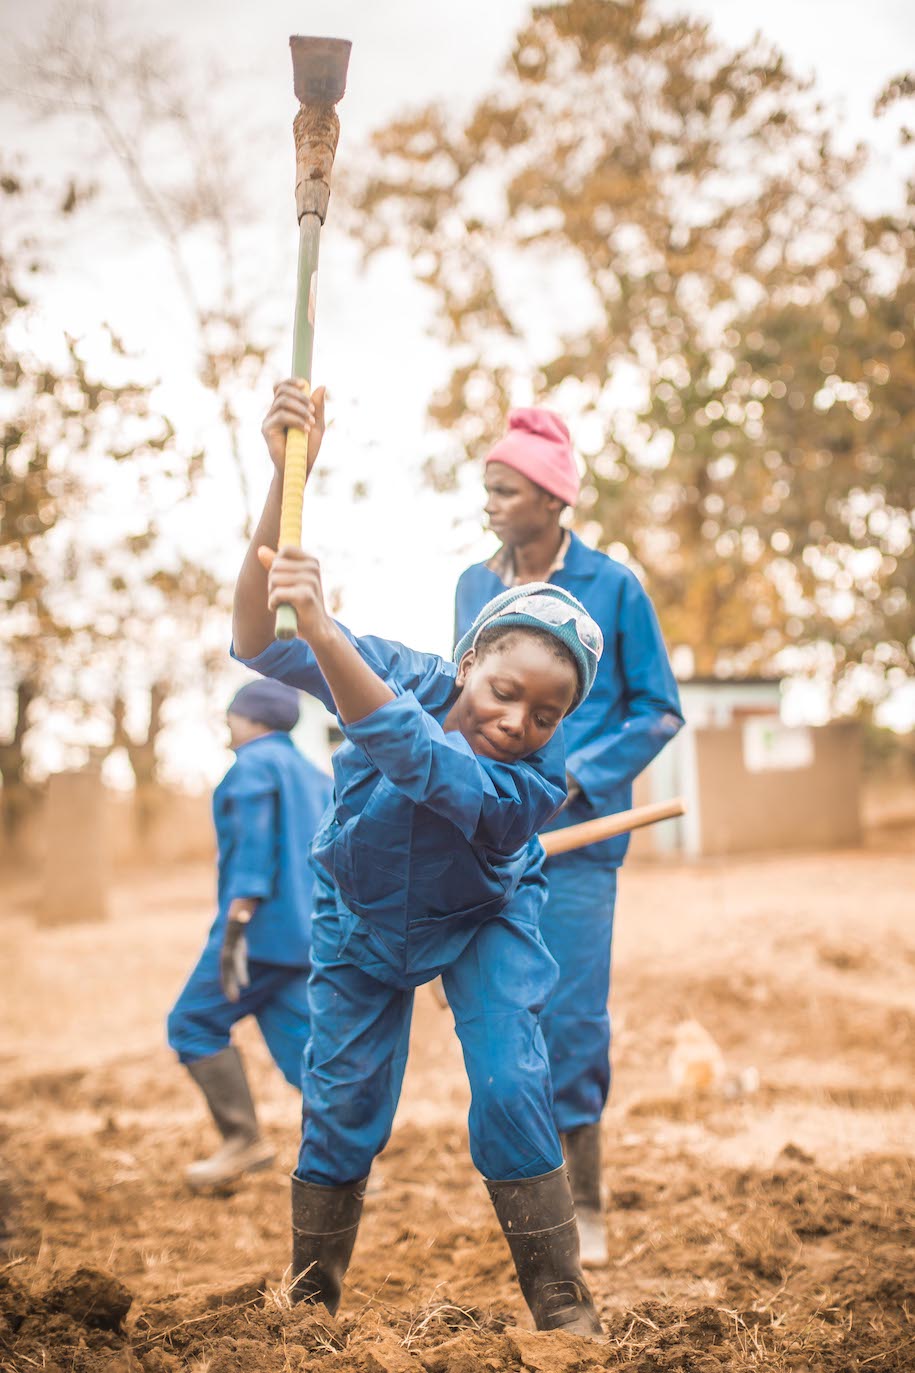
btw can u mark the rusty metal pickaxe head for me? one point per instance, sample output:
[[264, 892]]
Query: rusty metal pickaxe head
[[319, 69], [319, 76]]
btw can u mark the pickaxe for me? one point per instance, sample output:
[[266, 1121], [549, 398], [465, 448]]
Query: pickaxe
[[319, 79], [606, 826]]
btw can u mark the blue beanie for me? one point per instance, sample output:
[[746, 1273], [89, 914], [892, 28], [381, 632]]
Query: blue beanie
[[541, 605], [267, 702]]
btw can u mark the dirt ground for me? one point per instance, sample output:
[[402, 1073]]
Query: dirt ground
[[755, 1229]]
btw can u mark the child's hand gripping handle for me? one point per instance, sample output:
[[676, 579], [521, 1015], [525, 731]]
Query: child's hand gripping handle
[[295, 475]]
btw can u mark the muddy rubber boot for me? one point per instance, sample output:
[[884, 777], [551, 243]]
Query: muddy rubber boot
[[582, 1150], [537, 1216], [324, 1225], [221, 1077]]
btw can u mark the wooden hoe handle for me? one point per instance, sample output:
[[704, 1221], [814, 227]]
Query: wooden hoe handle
[[606, 826], [295, 475]]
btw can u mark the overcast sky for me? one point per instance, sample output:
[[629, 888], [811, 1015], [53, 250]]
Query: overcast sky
[[411, 48]]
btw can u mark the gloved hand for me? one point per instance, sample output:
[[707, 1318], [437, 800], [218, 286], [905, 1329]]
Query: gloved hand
[[233, 956]]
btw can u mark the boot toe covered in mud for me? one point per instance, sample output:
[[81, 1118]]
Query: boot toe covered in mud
[[232, 1160], [222, 1080], [568, 1306]]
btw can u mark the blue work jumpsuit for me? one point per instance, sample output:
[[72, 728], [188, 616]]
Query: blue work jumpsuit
[[632, 711], [428, 864], [266, 811]]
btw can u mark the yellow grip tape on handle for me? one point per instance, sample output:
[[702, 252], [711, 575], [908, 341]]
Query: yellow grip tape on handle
[[293, 488], [295, 474]]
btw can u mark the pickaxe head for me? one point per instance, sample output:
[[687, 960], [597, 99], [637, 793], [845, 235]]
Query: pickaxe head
[[319, 69]]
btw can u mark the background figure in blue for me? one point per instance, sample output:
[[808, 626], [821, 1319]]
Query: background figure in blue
[[257, 956], [631, 713], [428, 864]]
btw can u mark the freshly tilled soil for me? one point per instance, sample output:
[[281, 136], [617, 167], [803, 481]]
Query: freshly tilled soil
[[767, 1229]]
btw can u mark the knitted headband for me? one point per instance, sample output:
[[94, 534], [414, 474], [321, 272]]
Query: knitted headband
[[541, 605]]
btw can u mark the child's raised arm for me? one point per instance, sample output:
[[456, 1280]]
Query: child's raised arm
[[494, 804], [294, 579], [252, 621]]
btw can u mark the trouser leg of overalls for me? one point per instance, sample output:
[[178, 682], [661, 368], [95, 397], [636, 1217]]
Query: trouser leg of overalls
[[577, 928], [354, 1064], [496, 989], [200, 1022], [284, 1023]]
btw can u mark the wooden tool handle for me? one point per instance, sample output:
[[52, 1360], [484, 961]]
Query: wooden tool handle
[[295, 475], [296, 470], [606, 826]]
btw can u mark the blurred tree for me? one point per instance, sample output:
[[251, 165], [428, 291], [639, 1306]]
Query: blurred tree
[[654, 233], [27, 509], [84, 587], [183, 165], [159, 635], [807, 401], [796, 526]]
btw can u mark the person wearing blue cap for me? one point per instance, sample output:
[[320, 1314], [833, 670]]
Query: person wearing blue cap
[[428, 864], [256, 959], [631, 713]]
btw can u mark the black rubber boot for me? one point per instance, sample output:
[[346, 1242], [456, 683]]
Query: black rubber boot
[[324, 1225], [537, 1216], [221, 1077], [582, 1152]]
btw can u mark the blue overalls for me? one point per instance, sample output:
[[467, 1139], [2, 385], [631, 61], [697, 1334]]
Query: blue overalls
[[266, 811], [632, 711], [427, 864]]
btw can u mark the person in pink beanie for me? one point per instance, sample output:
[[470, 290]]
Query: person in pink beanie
[[632, 711]]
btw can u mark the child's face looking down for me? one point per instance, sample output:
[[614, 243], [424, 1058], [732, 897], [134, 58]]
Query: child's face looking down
[[514, 693]]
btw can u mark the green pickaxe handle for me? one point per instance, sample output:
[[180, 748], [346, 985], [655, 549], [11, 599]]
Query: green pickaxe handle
[[295, 473]]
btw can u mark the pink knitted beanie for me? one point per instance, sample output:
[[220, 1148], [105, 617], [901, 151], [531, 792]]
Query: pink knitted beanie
[[539, 447]]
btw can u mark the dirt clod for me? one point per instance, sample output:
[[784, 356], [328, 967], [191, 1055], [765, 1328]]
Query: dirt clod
[[91, 1297]]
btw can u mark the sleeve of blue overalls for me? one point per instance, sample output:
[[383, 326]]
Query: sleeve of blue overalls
[[293, 662], [497, 805], [653, 714], [253, 814]]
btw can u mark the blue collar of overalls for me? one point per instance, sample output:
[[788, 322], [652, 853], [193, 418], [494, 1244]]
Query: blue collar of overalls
[[580, 563], [259, 739]]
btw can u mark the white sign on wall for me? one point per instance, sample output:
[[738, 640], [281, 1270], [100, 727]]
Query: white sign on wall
[[769, 746]]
